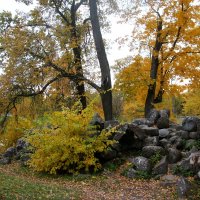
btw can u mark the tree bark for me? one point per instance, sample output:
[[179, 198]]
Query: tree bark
[[106, 85], [154, 70], [80, 87]]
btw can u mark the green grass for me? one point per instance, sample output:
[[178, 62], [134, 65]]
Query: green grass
[[12, 188]]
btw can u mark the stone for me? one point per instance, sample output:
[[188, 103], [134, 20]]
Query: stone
[[163, 122], [151, 141], [131, 173], [191, 124], [194, 135], [174, 155], [195, 161], [183, 134], [110, 124], [108, 155], [143, 121], [5, 161], [164, 143], [161, 167], [141, 164], [184, 164], [149, 151], [150, 131], [153, 115], [164, 133], [183, 187], [97, 121], [10, 152], [21, 144], [137, 131], [164, 113], [168, 180]]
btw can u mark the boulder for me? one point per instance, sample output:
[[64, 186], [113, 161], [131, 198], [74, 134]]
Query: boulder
[[143, 121], [151, 141], [5, 161], [10, 152], [164, 133], [174, 155], [150, 131], [137, 131], [97, 121], [194, 135], [164, 113], [141, 164], [110, 124], [168, 180], [195, 161], [149, 151], [161, 167], [183, 134], [153, 115], [183, 187], [191, 124], [131, 173], [163, 122]]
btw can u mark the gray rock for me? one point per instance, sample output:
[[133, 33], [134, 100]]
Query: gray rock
[[151, 141], [137, 131], [5, 161], [174, 155], [164, 133], [173, 139], [194, 135], [10, 152], [168, 180], [184, 164], [108, 155], [161, 167], [163, 122], [131, 173], [110, 124], [191, 124], [164, 113], [97, 121], [141, 164], [149, 151], [195, 161], [183, 134], [183, 187], [21, 144], [143, 121], [153, 116], [164, 143], [150, 131]]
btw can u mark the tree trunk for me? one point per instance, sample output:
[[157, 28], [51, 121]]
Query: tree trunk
[[80, 87], [106, 85], [154, 70]]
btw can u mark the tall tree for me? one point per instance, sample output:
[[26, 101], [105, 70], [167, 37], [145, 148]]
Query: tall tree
[[167, 33], [106, 85]]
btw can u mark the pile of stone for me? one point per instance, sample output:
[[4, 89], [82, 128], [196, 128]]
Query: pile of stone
[[176, 147]]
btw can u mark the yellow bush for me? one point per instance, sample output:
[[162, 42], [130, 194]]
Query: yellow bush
[[13, 131], [66, 142]]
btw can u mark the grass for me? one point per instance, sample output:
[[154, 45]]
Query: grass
[[12, 188]]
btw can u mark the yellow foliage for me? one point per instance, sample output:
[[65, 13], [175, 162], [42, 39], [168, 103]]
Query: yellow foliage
[[67, 142], [13, 131]]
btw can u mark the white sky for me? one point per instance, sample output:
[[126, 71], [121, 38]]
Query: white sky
[[117, 30]]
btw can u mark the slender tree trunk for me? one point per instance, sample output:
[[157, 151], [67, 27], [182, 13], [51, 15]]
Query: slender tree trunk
[[154, 70], [80, 87], [106, 85]]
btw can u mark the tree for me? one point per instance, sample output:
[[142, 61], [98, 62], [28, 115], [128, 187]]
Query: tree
[[169, 36], [45, 46], [106, 85]]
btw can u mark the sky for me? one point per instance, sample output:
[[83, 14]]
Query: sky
[[117, 30]]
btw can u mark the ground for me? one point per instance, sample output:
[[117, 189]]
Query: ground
[[21, 183]]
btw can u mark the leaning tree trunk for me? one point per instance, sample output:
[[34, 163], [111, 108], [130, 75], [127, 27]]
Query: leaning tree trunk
[[154, 70], [106, 85]]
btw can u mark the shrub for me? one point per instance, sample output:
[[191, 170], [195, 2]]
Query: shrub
[[13, 131], [67, 142]]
